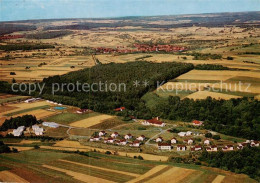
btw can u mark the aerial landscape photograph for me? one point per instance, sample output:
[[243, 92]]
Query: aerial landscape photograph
[[136, 91]]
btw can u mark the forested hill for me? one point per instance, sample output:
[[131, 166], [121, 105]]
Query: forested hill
[[137, 77]]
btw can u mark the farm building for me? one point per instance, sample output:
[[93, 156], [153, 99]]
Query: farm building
[[197, 123], [31, 100], [37, 130], [119, 109], [154, 122], [181, 148], [141, 138], [164, 146], [51, 124], [19, 131]]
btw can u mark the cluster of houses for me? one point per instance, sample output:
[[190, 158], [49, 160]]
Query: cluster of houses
[[210, 148], [142, 48], [113, 139], [158, 47]]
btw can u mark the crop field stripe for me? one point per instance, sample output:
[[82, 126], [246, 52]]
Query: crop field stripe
[[149, 173], [79, 176], [155, 175], [7, 176], [218, 179], [27, 110], [92, 172], [110, 163], [110, 170]]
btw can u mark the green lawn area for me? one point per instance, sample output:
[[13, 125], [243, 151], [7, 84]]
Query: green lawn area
[[27, 110], [232, 139], [152, 99], [66, 118]]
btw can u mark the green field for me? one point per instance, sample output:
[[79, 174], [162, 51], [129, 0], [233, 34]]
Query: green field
[[66, 118], [28, 110]]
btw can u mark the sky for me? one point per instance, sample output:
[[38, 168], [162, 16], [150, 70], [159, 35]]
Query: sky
[[49, 9]]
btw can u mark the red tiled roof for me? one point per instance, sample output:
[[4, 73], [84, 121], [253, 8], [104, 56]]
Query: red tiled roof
[[155, 121], [164, 144]]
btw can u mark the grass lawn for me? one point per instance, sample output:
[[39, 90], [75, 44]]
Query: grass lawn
[[27, 110], [151, 99], [66, 118]]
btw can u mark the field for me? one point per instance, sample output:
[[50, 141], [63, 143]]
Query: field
[[91, 121], [72, 167]]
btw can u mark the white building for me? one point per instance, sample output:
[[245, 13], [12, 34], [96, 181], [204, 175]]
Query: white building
[[37, 130], [51, 124], [182, 134], [95, 138], [114, 135], [101, 133], [159, 139], [181, 148], [164, 146], [188, 141], [141, 138], [154, 122], [207, 142], [173, 141], [188, 133], [128, 136], [19, 131]]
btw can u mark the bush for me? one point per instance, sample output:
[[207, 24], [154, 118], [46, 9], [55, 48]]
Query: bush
[[230, 58], [36, 147], [216, 137], [140, 157], [208, 135], [108, 152]]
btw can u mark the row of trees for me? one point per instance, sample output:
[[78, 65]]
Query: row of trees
[[210, 67]]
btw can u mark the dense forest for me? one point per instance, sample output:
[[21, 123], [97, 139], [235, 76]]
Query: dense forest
[[237, 117], [245, 161], [12, 123], [110, 74]]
